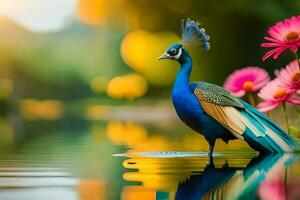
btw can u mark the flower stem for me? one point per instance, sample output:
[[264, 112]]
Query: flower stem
[[251, 99], [286, 117], [286, 181], [297, 58]]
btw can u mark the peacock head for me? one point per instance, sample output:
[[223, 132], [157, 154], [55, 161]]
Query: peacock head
[[174, 52], [192, 34]]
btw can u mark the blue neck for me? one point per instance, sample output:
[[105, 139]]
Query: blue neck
[[183, 76]]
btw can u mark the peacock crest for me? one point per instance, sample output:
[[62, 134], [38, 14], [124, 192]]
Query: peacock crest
[[194, 34]]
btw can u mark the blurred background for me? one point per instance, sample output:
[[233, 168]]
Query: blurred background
[[62, 57], [80, 80]]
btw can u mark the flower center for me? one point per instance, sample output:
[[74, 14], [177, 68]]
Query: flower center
[[296, 76], [292, 36], [248, 86], [279, 93]]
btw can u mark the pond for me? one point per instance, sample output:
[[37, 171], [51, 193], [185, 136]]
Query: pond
[[78, 159]]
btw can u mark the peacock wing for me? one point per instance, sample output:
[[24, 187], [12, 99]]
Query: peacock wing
[[217, 95], [223, 107]]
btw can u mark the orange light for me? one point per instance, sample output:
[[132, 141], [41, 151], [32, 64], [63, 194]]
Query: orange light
[[92, 189], [36, 109], [93, 12], [137, 192]]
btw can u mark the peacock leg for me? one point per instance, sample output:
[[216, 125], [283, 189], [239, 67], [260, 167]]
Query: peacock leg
[[210, 151]]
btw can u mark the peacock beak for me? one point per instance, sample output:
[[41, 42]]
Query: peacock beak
[[164, 56]]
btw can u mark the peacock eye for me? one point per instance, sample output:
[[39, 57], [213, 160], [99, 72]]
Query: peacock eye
[[173, 51]]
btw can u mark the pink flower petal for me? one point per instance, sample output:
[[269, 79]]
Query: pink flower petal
[[286, 76], [266, 106], [272, 40], [270, 91], [294, 99], [279, 51], [293, 48], [270, 53], [239, 93], [270, 45]]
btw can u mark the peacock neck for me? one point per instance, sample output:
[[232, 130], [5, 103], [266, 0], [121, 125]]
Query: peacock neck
[[183, 77]]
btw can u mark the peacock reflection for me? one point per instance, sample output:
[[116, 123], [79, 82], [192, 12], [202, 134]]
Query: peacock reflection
[[189, 177]]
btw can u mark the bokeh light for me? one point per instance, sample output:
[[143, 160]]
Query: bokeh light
[[126, 133], [95, 112], [129, 86], [33, 109], [93, 12], [92, 189], [140, 50]]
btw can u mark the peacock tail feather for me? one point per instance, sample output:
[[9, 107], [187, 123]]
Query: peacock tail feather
[[272, 137]]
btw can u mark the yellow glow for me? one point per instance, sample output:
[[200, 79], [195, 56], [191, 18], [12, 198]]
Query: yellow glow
[[135, 48], [115, 88], [119, 133], [126, 133], [128, 86], [36, 109], [190, 142], [154, 143], [165, 173], [140, 50], [134, 86], [98, 12], [93, 12]]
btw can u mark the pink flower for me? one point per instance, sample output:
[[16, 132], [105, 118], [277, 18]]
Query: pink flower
[[248, 79], [283, 35], [289, 76], [273, 95], [272, 189]]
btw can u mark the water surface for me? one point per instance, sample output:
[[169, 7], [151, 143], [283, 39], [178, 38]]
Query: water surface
[[75, 159]]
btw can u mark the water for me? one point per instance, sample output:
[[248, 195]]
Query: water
[[72, 159]]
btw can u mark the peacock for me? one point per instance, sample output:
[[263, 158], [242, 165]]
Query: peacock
[[213, 111]]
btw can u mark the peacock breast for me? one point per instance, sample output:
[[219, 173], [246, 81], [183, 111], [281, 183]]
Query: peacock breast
[[188, 109]]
